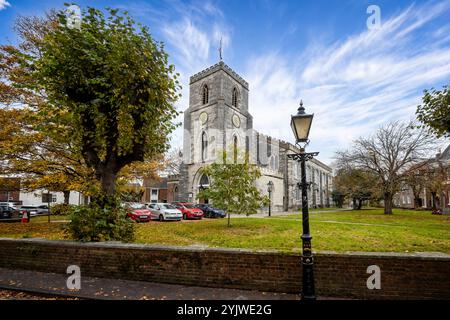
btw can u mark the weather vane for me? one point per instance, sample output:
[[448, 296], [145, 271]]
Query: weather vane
[[220, 49]]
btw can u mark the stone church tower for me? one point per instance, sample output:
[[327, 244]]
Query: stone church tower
[[217, 119]]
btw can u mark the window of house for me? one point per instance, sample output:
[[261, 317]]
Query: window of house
[[154, 192], [205, 94], [49, 197]]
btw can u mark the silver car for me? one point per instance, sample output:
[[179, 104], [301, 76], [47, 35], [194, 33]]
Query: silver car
[[164, 211]]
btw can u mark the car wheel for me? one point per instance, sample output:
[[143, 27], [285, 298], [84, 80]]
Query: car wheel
[[161, 217], [185, 216]]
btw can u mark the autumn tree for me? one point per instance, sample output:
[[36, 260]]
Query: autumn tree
[[40, 162], [108, 89], [388, 154], [232, 185], [31, 146], [172, 161], [435, 176], [416, 179], [434, 112]]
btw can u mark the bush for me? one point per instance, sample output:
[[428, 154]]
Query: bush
[[94, 222], [60, 209]]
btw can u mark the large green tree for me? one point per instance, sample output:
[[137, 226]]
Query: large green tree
[[37, 136], [110, 82], [233, 186], [434, 112]]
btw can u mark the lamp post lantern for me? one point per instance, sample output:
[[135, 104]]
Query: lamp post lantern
[[269, 190], [301, 124]]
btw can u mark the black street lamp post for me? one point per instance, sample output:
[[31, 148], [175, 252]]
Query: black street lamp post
[[301, 124], [269, 189]]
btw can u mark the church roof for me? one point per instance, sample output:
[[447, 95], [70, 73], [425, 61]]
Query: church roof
[[214, 68]]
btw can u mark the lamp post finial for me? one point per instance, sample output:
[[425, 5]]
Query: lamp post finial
[[301, 109]]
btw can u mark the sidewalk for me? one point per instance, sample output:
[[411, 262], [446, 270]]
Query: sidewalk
[[115, 289]]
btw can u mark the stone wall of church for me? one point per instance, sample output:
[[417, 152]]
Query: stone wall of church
[[276, 197]]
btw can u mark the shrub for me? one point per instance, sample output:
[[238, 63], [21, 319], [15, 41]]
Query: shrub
[[95, 222], [60, 209]]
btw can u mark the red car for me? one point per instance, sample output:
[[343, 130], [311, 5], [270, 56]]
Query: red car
[[138, 212], [188, 210]]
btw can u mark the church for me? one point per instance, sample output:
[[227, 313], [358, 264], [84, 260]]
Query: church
[[218, 119]]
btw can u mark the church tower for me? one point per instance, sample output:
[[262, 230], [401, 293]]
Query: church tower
[[217, 119]]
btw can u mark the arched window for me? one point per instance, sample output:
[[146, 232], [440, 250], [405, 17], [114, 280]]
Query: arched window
[[234, 100], [175, 193], [204, 146], [235, 149], [204, 181], [205, 94]]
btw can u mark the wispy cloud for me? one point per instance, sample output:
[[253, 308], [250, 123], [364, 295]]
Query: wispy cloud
[[352, 85], [4, 4], [192, 32]]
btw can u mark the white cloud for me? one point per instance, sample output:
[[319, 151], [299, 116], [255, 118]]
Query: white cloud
[[193, 38], [4, 4], [353, 85]]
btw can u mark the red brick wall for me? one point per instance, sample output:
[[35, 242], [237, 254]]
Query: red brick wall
[[162, 195], [404, 276], [14, 196]]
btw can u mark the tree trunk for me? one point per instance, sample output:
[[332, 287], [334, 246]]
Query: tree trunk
[[359, 204], [108, 182], [388, 203], [354, 204], [433, 201], [416, 202], [66, 196], [107, 176], [229, 217]]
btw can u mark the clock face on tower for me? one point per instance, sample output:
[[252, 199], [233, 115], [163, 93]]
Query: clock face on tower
[[203, 117], [236, 120]]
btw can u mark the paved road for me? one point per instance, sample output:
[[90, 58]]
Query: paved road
[[114, 289]]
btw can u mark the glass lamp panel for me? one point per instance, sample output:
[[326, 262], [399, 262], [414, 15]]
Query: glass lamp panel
[[301, 125]]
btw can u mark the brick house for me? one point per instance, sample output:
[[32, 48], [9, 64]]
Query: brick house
[[155, 190], [428, 199]]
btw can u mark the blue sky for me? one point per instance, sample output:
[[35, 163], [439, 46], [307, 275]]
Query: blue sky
[[353, 79]]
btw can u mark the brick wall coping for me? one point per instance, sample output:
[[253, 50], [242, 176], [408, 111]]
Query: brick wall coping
[[134, 246]]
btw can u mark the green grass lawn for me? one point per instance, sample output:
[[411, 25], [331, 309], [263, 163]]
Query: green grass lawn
[[365, 230]]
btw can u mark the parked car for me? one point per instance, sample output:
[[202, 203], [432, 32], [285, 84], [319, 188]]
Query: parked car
[[10, 204], [138, 212], [7, 212], [188, 210], [30, 210], [42, 209], [211, 212], [164, 211]]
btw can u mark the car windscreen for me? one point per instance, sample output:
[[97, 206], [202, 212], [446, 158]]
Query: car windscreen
[[189, 206], [168, 206], [137, 206]]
